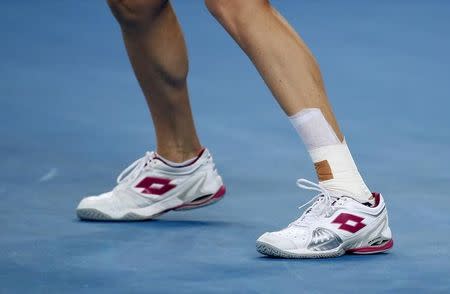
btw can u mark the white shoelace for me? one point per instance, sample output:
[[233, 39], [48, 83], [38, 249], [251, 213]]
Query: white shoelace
[[134, 169], [322, 203]]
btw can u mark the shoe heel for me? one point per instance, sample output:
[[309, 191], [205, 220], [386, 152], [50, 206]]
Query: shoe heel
[[203, 201], [385, 246], [379, 242]]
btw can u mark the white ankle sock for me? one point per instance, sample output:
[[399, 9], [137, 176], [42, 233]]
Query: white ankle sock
[[335, 167]]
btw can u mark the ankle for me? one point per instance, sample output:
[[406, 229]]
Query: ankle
[[179, 155]]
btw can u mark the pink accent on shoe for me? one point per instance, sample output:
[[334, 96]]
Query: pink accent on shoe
[[353, 227], [209, 200], [155, 185], [377, 198], [372, 249]]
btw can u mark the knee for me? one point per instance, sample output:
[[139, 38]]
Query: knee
[[233, 13], [135, 12]]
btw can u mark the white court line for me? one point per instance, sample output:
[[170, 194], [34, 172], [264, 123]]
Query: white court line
[[53, 172]]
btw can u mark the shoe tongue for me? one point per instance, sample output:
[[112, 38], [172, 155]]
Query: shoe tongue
[[316, 203]]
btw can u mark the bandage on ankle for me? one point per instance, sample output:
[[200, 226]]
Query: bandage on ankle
[[335, 167]]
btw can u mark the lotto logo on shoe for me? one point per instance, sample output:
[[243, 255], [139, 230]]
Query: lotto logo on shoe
[[349, 222], [156, 186]]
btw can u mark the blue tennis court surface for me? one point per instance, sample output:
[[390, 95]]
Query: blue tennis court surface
[[73, 117]]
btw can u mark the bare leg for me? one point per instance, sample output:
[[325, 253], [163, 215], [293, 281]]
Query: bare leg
[[157, 52], [292, 74], [280, 55]]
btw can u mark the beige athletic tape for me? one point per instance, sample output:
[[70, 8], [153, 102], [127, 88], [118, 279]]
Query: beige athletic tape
[[323, 170]]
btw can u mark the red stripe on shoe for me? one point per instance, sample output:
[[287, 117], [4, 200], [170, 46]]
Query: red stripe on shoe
[[219, 194], [377, 198], [372, 249]]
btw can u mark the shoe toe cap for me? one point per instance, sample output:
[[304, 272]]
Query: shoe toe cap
[[87, 202], [93, 201], [277, 241]]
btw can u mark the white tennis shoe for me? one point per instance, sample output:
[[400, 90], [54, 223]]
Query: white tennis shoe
[[331, 227], [150, 187]]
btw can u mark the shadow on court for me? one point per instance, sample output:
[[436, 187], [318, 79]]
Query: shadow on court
[[167, 223]]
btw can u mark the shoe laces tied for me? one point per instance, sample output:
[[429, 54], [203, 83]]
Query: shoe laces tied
[[321, 203], [134, 169]]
